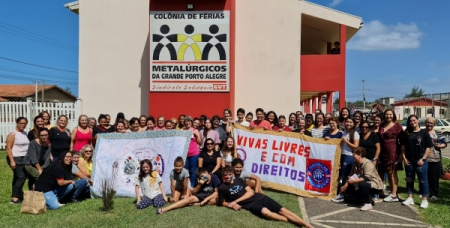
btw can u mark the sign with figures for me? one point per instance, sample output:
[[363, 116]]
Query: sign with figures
[[125, 151], [189, 51], [289, 161]]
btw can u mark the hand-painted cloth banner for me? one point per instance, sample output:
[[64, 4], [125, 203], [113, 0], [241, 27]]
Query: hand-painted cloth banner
[[289, 161], [126, 150]]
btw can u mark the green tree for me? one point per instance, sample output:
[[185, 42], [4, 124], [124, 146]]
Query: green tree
[[415, 92], [336, 101]]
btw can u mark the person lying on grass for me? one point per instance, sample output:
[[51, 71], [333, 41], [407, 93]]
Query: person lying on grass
[[205, 192], [151, 185], [252, 180], [235, 194], [179, 181]]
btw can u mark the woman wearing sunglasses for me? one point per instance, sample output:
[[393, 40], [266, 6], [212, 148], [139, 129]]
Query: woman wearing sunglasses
[[85, 163], [210, 159]]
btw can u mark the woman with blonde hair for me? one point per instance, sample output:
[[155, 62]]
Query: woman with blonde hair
[[59, 137], [85, 163], [81, 135]]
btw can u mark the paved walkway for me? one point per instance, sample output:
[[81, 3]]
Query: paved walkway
[[328, 214]]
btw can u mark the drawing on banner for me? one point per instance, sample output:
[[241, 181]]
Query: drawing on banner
[[128, 150], [189, 51]]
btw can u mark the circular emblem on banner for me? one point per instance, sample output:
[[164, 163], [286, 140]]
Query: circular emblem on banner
[[319, 175], [241, 154]]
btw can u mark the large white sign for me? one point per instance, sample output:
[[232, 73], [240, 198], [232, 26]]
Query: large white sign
[[289, 161], [127, 150], [190, 51]]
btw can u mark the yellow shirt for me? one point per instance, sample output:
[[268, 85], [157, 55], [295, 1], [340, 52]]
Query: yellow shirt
[[88, 166]]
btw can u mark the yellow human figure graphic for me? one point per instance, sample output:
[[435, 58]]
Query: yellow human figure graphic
[[189, 29]]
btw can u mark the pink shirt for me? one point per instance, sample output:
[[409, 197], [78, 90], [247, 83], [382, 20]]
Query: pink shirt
[[211, 134], [261, 124], [82, 139], [193, 146]]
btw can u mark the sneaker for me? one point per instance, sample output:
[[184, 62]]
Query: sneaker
[[391, 198], [377, 200], [409, 201], [367, 207], [424, 204], [15, 202], [339, 198], [433, 198]]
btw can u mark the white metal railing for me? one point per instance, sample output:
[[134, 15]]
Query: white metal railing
[[10, 111]]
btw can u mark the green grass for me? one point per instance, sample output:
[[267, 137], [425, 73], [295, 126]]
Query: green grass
[[88, 213], [438, 211]]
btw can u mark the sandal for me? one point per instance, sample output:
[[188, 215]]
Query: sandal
[[159, 211]]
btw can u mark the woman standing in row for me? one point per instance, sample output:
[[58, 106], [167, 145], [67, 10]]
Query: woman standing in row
[[38, 124], [16, 149], [47, 119], [59, 137], [416, 146], [282, 125], [81, 135], [319, 127], [435, 169], [193, 152], [390, 133]]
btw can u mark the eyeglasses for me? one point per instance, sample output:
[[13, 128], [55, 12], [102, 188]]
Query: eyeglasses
[[209, 144], [44, 135], [90, 151], [364, 127], [429, 123]]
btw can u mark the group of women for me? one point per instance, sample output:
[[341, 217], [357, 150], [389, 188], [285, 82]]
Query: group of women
[[374, 151], [382, 142], [37, 152]]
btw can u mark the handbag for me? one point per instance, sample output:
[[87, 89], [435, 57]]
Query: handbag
[[33, 202]]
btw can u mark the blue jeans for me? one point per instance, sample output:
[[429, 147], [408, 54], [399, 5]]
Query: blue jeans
[[52, 197], [346, 167], [421, 171], [81, 188], [191, 165]]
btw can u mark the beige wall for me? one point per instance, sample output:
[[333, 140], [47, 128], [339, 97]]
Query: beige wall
[[268, 55], [113, 64]]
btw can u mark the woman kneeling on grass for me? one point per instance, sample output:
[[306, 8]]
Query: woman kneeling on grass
[[252, 180], [235, 194], [151, 185], [205, 192], [363, 179], [56, 182]]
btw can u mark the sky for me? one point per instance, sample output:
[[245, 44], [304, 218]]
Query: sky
[[402, 44]]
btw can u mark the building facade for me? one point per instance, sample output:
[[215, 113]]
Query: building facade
[[167, 57]]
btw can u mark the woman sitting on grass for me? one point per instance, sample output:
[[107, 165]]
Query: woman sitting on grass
[[179, 181], [56, 183], [204, 192], [150, 183], [85, 164], [235, 194]]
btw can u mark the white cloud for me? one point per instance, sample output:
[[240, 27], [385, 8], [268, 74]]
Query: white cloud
[[375, 36], [334, 3]]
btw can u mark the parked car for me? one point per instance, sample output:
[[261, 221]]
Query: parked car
[[441, 125]]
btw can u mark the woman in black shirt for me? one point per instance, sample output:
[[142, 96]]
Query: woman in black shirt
[[415, 149], [210, 159], [370, 142], [59, 137]]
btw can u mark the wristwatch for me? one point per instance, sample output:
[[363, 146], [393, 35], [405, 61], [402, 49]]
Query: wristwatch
[[375, 159], [424, 159]]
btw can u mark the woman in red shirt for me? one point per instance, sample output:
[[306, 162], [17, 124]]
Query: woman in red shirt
[[260, 122], [282, 124]]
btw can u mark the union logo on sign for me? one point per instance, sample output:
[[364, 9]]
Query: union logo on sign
[[219, 86]]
